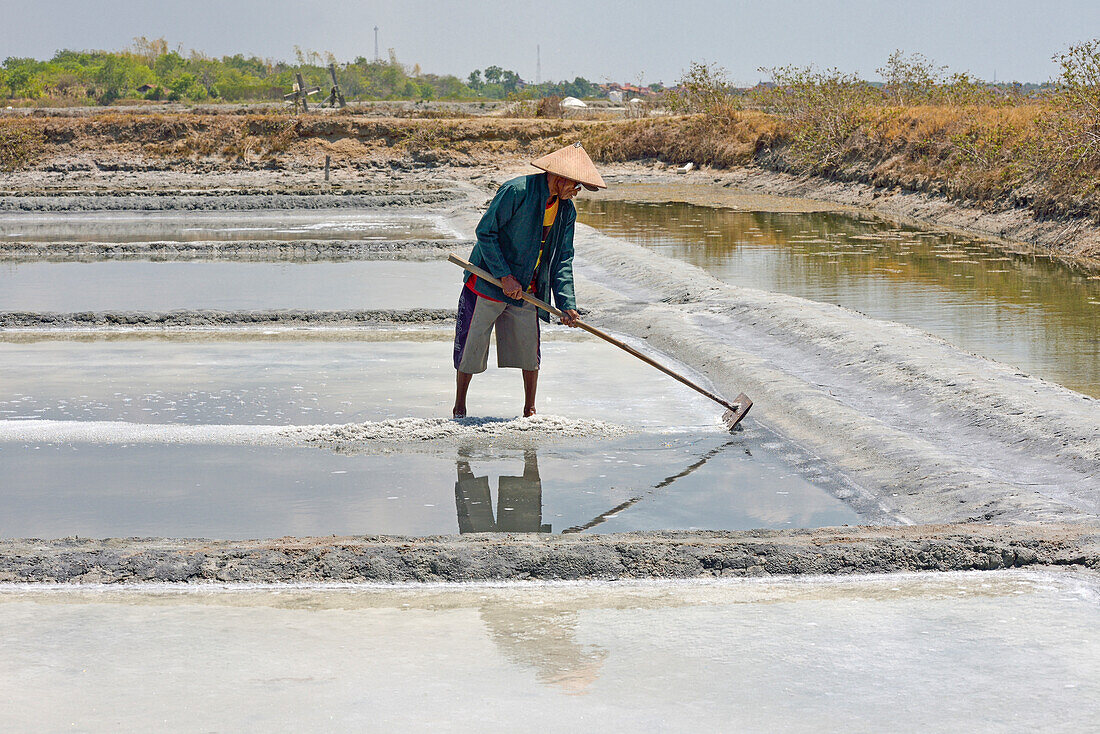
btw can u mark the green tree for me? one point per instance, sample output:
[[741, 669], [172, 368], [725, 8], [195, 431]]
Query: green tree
[[110, 80], [509, 80]]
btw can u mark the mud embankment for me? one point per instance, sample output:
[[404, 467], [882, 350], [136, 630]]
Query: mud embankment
[[106, 320], [246, 251], [175, 140], [495, 557], [214, 201]]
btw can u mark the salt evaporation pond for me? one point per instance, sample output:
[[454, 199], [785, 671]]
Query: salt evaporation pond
[[990, 651], [643, 482], [1026, 311], [674, 467], [309, 382], [160, 286], [224, 226]]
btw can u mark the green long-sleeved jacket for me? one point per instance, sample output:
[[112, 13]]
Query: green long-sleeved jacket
[[509, 236]]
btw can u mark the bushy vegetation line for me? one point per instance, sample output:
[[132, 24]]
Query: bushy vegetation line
[[150, 70], [923, 130]]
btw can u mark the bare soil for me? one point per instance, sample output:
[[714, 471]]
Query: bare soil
[[497, 557]]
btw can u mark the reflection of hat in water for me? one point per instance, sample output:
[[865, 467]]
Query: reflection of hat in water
[[573, 163]]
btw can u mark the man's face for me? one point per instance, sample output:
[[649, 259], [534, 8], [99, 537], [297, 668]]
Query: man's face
[[563, 188]]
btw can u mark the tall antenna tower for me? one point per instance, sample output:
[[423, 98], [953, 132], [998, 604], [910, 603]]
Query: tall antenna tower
[[377, 58], [538, 64]]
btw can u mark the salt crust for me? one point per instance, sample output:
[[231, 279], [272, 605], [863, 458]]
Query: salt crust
[[391, 431], [430, 429]]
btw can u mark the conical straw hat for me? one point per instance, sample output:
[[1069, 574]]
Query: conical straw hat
[[573, 163]]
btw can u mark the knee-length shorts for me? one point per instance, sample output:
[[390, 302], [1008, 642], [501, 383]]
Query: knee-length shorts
[[517, 334]]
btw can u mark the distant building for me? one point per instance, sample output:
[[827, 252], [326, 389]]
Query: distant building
[[146, 88], [618, 92]]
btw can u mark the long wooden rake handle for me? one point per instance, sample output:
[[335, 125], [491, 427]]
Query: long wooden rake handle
[[739, 408]]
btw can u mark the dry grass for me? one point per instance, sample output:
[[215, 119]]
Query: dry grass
[[21, 144], [258, 138], [731, 142], [990, 156]]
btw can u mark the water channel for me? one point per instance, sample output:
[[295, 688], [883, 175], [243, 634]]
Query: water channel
[[1035, 314]]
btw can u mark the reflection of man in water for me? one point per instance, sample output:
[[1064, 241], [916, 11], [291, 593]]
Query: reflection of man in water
[[519, 500], [544, 637]]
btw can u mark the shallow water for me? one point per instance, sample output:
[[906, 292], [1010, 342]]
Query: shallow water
[[309, 382], [1035, 314], [162, 286], [681, 472], [994, 651], [640, 482], [228, 226]]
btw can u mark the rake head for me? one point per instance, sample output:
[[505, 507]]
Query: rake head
[[738, 410]]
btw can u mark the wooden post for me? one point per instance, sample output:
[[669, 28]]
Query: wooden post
[[328, 160]]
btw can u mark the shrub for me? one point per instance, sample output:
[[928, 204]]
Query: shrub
[[20, 144], [1071, 153], [706, 89], [825, 109]]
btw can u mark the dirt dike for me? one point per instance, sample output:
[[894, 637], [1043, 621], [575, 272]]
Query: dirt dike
[[214, 201], [497, 557], [106, 320], [250, 251]]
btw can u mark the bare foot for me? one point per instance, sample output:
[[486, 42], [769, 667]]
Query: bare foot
[[528, 412]]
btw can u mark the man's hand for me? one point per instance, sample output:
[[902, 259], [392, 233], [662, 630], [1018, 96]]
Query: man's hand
[[511, 286], [569, 317]]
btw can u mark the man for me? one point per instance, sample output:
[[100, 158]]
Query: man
[[525, 240]]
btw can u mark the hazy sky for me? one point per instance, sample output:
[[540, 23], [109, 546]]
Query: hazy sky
[[622, 41]]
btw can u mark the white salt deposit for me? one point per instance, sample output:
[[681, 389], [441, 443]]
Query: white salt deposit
[[119, 432], [430, 429], [397, 430]]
